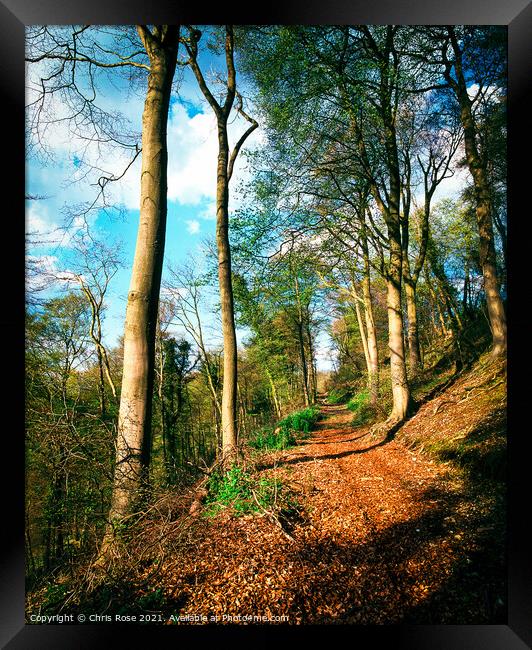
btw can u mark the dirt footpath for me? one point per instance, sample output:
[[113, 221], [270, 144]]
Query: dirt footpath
[[384, 536]]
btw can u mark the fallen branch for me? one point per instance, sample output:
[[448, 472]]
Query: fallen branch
[[272, 517]]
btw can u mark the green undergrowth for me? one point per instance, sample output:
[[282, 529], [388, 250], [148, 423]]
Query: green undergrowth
[[245, 492], [287, 431], [339, 396], [364, 412]]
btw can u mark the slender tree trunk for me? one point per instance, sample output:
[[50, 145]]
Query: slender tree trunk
[[302, 356], [101, 384], [57, 519], [436, 312], [373, 353], [363, 336], [224, 173], [96, 335], [29, 546], [371, 330], [477, 167], [394, 276], [162, 400], [274, 393], [465, 292], [400, 388], [301, 341], [212, 389], [414, 355], [47, 560], [229, 392], [242, 427], [312, 367], [134, 420], [391, 213]]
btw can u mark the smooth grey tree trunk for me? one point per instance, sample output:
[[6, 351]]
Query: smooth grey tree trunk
[[133, 447]]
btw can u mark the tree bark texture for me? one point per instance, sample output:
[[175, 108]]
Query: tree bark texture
[[477, 168], [400, 388], [229, 391], [134, 420], [371, 330], [414, 354]]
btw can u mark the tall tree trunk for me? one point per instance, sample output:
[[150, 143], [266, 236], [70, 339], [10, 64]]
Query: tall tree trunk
[[400, 388], [394, 276], [371, 330], [162, 400], [373, 352], [274, 393], [224, 173], [362, 331], [229, 391], [391, 213], [303, 359], [477, 168], [134, 419], [312, 366], [414, 355], [301, 341]]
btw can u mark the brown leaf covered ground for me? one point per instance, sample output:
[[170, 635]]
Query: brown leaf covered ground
[[385, 533]]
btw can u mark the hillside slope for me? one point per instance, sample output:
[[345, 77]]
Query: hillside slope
[[373, 531]]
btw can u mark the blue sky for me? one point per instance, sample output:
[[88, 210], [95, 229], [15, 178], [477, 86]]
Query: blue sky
[[192, 148]]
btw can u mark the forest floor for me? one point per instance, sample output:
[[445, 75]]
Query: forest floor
[[374, 531], [408, 530]]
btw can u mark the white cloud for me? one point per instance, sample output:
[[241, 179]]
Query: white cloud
[[39, 228], [69, 276], [193, 226], [46, 264], [42, 230], [452, 186], [168, 293], [192, 158], [192, 154], [209, 212], [40, 272], [473, 89]]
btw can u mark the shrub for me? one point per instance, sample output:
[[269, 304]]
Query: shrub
[[152, 600], [283, 435], [338, 396], [270, 438], [54, 596], [301, 421], [358, 401], [240, 491], [364, 412]]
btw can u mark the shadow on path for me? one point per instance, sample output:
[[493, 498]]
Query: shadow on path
[[342, 454], [412, 571]]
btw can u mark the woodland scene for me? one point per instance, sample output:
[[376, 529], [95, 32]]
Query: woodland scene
[[266, 324]]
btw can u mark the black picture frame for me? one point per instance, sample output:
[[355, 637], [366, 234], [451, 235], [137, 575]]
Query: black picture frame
[[14, 16]]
